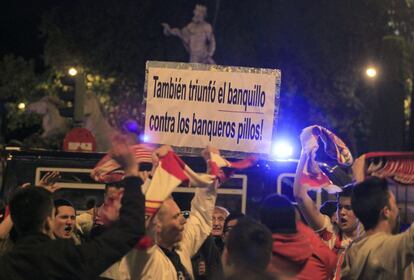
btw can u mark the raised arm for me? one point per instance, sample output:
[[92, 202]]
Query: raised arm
[[306, 205], [106, 249], [199, 225]]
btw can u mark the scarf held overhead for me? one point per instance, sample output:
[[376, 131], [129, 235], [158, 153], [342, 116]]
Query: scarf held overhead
[[312, 176]]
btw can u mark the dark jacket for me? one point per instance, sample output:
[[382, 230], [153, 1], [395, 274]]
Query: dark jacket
[[36, 256], [210, 255]]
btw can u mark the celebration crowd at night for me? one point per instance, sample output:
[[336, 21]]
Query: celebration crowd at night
[[139, 232]]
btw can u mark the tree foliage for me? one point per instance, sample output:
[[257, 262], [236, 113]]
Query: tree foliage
[[322, 49], [18, 83]]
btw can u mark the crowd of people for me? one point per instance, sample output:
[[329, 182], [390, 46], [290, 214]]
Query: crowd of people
[[141, 233]]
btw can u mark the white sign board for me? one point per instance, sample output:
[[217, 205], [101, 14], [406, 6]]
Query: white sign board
[[196, 105]]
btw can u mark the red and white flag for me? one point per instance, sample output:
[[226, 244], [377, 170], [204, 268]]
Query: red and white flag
[[312, 176], [170, 173], [108, 170]]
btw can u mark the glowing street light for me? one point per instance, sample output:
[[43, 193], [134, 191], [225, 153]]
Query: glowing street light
[[371, 72], [21, 106], [72, 71]]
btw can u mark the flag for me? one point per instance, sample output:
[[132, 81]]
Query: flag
[[312, 176], [108, 170]]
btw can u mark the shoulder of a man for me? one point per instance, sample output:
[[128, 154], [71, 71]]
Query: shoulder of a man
[[402, 243], [42, 256]]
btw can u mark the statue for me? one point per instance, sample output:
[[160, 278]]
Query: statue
[[95, 121], [197, 37], [52, 122]]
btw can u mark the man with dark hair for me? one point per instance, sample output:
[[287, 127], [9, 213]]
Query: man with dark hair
[[297, 251], [230, 222], [36, 256], [378, 254], [339, 235], [30, 211], [247, 251], [65, 219], [329, 209]]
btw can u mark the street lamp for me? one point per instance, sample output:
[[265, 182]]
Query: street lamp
[[21, 106], [371, 72], [72, 71]]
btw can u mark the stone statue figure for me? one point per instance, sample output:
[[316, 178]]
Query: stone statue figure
[[197, 36], [52, 122]]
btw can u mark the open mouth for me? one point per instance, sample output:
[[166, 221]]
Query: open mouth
[[343, 221], [68, 229]]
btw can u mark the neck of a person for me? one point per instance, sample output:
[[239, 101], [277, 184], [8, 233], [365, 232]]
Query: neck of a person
[[244, 272], [166, 245], [382, 226], [352, 234]]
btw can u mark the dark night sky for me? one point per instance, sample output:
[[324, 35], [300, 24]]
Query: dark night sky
[[20, 32], [295, 45]]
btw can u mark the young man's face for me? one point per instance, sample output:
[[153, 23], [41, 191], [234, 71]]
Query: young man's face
[[347, 221], [171, 223], [64, 223], [218, 222]]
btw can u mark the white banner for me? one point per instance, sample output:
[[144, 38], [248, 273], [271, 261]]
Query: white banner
[[196, 105]]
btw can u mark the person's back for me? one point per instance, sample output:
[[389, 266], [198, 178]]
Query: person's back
[[378, 257], [247, 252], [378, 254], [297, 251], [37, 256]]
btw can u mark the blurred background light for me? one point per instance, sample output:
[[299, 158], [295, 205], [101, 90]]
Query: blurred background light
[[21, 106], [371, 72], [72, 71], [282, 149]]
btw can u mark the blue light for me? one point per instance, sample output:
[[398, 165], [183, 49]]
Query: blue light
[[144, 138], [282, 150], [131, 125]]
